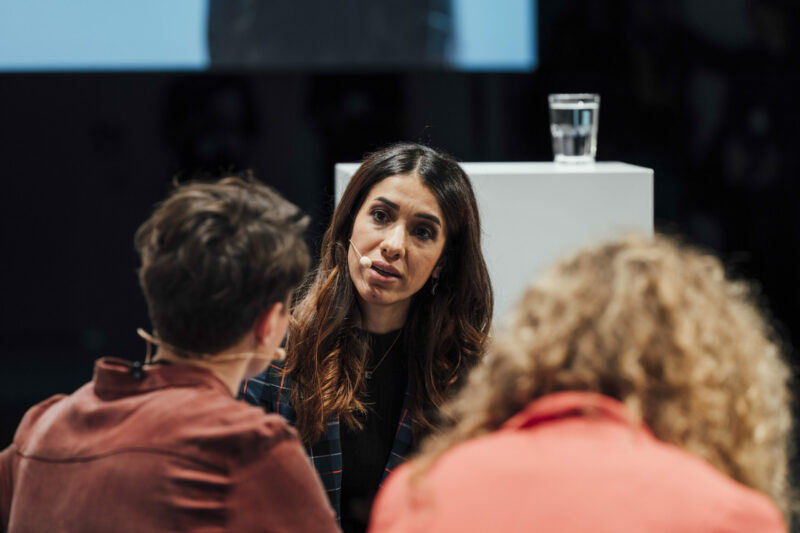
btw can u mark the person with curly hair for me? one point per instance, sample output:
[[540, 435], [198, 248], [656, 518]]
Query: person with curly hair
[[635, 388], [397, 312]]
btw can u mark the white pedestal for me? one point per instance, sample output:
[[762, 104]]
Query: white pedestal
[[534, 213]]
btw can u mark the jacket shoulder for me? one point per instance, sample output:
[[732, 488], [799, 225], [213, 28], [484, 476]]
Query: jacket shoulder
[[35, 415], [270, 390]]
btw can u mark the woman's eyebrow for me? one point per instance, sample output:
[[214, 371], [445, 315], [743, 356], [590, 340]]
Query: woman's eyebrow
[[432, 218], [388, 202]]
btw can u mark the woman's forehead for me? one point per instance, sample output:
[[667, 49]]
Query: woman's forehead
[[405, 191]]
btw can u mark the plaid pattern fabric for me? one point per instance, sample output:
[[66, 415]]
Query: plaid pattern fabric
[[271, 391]]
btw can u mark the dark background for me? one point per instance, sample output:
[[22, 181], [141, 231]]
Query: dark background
[[703, 92]]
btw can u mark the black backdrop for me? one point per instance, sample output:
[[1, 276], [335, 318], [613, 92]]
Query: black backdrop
[[708, 103]]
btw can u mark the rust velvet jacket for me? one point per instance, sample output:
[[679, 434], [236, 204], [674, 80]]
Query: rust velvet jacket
[[166, 449]]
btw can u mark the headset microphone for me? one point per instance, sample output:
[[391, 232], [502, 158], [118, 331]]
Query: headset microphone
[[365, 262]]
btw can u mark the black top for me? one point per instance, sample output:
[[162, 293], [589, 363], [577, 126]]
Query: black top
[[365, 452]]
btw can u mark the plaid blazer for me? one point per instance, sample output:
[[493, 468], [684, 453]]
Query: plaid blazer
[[271, 391]]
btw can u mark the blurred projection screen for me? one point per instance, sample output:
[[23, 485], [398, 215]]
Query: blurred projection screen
[[99, 35]]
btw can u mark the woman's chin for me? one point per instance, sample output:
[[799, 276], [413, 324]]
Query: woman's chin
[[379, 295]]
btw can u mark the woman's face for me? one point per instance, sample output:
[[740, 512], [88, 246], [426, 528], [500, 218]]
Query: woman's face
[[401, 228]]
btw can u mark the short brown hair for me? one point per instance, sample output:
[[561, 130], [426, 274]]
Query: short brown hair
[[214, 257]]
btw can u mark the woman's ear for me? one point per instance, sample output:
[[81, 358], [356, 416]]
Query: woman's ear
[[437, 270], [269, 323]]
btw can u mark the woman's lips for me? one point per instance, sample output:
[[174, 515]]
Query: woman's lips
[[385, 273], [385, 269]]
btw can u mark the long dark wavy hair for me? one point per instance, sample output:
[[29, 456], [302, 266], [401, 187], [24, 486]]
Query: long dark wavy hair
[[444, 334]]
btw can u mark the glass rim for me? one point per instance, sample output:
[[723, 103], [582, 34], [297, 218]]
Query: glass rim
[[571, 97]]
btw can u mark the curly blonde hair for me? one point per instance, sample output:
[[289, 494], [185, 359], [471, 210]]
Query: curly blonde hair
[[658, 326]]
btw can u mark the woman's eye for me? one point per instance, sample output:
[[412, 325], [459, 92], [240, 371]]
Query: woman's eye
[[380, 216], [424, 232]]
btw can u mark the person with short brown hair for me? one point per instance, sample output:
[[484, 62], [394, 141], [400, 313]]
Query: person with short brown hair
[[636, 388], [164, 446]]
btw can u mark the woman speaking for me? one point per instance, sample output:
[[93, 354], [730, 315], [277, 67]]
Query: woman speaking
[[396, 313]]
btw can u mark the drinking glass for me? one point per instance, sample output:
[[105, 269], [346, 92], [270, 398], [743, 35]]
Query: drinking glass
[[573, 126]]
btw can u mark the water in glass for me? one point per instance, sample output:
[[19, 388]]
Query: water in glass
[[573, 126]]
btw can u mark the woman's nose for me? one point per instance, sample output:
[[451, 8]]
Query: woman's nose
[[393, 246]]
